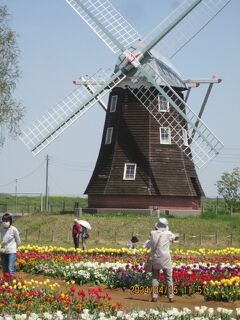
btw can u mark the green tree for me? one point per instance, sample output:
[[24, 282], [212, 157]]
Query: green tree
[[11, 111], [229, 187]]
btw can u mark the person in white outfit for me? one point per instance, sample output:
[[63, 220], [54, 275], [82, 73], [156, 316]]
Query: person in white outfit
[[160, 240], [10, 242]]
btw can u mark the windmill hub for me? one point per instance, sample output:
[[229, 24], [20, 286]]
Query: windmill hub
[[129, 59]]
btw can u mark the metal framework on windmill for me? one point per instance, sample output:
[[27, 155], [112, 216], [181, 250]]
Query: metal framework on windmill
[[169, 37]]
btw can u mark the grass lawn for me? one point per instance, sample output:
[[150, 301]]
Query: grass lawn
[[114, 230]]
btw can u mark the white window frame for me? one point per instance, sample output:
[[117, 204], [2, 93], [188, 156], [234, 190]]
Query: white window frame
[[108, 137], [113, 105], [185, 137], [164, 141], [125, 177], [160, 104]]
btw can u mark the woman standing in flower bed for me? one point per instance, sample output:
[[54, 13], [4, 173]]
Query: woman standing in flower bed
[[10, 242], [76, 233]]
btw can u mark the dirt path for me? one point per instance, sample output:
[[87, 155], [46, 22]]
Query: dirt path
[[142, 302]]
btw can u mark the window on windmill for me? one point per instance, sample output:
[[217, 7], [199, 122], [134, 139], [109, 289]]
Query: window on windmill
[[185, 137], [108, 137], [163, 104], [129, 171], [165, 135], [113, 105]]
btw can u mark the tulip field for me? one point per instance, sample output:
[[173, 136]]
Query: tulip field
[[90, 276]]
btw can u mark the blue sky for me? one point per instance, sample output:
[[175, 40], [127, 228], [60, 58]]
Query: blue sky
[[57, 47]]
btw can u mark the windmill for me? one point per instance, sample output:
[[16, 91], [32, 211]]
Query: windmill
[[152, 140]]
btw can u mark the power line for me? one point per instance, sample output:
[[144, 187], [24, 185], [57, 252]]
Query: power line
[[73, 162], [26, 176], [72, 165], [219, 161], [84, 169], [70, 162], [229, 157], [7, 184], [56, 183], [32, 172]]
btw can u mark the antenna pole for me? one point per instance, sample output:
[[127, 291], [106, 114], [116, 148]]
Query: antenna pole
[[16, 190], [46, 192]]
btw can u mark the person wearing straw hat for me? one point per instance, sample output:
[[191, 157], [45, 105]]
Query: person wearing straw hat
[[160, 240], [76, 233]]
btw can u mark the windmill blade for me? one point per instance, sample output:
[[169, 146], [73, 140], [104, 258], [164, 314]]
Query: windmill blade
[[181, 120], [65, 113], [106, 22], [86, 83], [174, 39]]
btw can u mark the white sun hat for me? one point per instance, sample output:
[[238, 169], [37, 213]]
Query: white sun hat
[[85, 224], [162, 223]]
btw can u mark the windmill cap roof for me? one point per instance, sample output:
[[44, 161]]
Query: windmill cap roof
[[162, 67]]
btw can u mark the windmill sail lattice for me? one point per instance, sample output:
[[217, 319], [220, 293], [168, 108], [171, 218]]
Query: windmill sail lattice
[[205, 144], [118, 34], [65, 113], [107, 22], [186, 29]]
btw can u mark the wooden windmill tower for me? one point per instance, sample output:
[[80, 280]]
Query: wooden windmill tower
[[152, 140]]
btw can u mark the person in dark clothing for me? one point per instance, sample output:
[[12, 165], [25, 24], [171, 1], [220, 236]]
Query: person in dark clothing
[[132, 242], [83, 237], [75, 233]]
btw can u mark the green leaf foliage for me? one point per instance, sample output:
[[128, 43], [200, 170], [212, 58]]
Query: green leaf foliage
[[229, 187], [11, 111]]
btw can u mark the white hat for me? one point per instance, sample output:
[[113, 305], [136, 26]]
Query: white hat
[[76, 220], [162, 223]]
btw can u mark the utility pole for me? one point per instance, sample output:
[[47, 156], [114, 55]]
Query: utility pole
[[16, 182], [46, 192]]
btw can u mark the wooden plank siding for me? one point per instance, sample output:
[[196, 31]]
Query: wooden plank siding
[[163, 172], [143, 202]]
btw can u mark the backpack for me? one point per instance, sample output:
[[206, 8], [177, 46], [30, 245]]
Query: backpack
[[85, 233]]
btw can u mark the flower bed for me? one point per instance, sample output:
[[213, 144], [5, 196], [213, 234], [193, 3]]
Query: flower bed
[[228, 252], [188, 280], [174, 314], [223, 290], [36, 300], [196, 271], [18, 296]]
